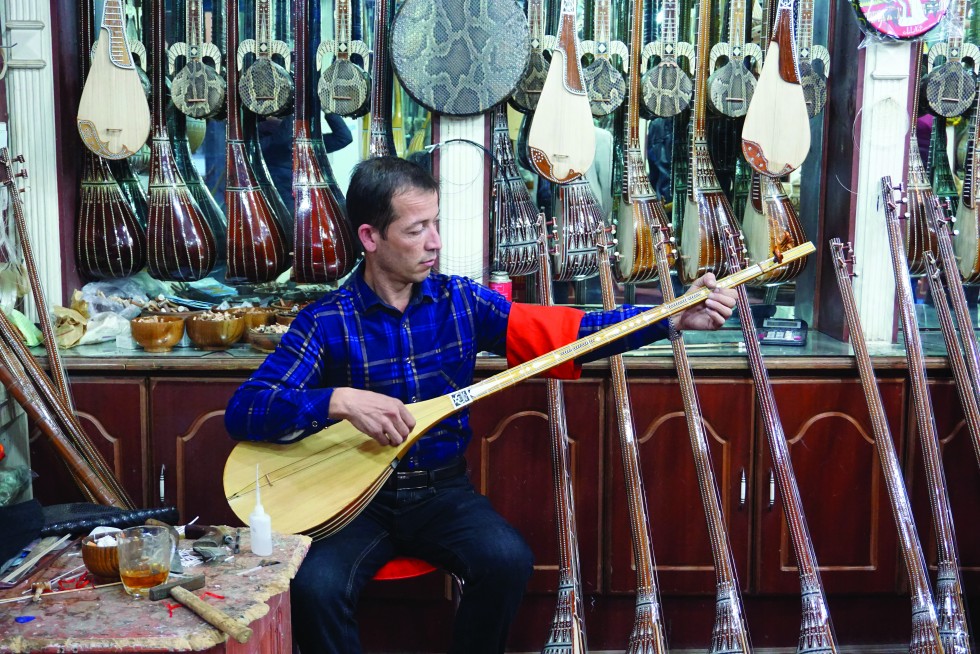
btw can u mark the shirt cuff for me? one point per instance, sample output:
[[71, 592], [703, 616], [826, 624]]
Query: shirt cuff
[[533, 330]]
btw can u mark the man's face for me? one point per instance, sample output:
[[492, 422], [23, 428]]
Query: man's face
[[408, 252]]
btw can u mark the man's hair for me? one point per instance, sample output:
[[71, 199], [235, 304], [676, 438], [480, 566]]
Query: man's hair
[[374, 185]]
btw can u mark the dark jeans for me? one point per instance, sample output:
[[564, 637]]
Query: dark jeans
[[449, 525]]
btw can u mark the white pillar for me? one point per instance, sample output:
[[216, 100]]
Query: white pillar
[[462, 168]]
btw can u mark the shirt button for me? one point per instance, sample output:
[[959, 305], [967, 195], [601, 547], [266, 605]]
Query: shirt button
[[414, 399], [315, 424]]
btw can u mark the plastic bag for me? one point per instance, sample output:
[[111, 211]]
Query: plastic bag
[[104, 327], [114, 296], [13, 480]]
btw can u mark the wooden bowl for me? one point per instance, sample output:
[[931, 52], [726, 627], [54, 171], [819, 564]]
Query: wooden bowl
[[157, 333], [100, 561], [216, 334], [285, 317], [263, 342], [257, 317]]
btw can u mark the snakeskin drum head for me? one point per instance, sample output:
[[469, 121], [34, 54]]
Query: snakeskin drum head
[[460, 57]]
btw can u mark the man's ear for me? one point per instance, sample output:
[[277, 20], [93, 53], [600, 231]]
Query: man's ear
[[369, 237]]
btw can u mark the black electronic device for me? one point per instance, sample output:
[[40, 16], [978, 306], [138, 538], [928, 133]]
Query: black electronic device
[[782, 331]]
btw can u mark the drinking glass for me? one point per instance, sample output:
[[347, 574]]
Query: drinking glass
[[144, 558]]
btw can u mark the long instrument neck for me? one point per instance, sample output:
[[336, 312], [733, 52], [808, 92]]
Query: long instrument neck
[[669, 28], [114, 24], [736, 24], [602, 28], [160, 94], [264, 29], [917, 172], [194, 30], [635, 98], [971, 177], [342, 29], [804, 32], [699, 117], [381, 140], [232, 35], [302, 69]]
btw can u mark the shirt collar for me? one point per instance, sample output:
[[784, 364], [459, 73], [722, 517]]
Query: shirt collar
[[365, 299]]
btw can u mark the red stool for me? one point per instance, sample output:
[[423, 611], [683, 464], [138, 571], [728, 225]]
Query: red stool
[[403, 567]]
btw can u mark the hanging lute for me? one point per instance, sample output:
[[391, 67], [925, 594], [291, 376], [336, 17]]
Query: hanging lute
[[950, 88], [528, 92], [919, 239], [265, 87], [814, 81], [113, 116], [514, 237], [562, 136], [604, 82], [344, 87], [321, 483], [731, 87], [667, 88], [967, 242], [776, 133], [198, 89]]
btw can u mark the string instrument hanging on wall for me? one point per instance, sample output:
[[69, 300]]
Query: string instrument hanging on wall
[[515, 234], [110, 240], [640, 208], [667, 89], [562, 137], [776, 133], [198, 89], [567, 634], [528, 91], [181, 245], [113, 116], [730, 87], [919, 238], [706, 208], [814, 82], [578, 216], [953, 629], [257, 246], [937, 166], [460, 57], [967, 242], [266, 88], [344, 87], [902, 20], [381, 141], [950, 88], [925, 628], [317, 133], [322, 240], [771, 224], [816, 629], [133, 34], [604, 82], [131, 187], [195, 183]]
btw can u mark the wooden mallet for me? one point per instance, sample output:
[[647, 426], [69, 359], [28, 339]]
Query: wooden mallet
[[180, 589]]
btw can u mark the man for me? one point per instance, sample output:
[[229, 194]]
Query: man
[[397, 333]]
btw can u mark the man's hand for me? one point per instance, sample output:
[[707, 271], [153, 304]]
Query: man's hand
[[713, 312], [383, 418]]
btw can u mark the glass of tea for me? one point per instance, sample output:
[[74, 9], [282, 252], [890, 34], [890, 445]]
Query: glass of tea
[[144, 558]]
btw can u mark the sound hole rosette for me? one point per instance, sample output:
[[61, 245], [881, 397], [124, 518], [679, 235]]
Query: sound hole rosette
[[460, 57]]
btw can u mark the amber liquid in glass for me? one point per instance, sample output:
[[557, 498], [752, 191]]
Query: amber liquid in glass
[[140, 580]]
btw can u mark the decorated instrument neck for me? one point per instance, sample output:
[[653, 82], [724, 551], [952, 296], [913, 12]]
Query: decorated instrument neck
[[535, 19], [699, 117], [381, 139], [304, 93], [114, 23], [634, 99], [233, 127], [568, 43], [736, 25], [342, 29], [959, 25], [160, 96], [194, 30], [669, 28], [264, 29], [804, 35], [602, 28], [784, 38], [971, 183]]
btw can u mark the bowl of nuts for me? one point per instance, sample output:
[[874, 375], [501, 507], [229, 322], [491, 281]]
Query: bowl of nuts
[[216, 330], [265, 338], [157, 333]]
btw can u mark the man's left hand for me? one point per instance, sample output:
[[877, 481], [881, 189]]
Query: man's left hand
[[713, 312]]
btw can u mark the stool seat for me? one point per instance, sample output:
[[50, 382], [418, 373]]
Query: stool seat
[[403, 567]]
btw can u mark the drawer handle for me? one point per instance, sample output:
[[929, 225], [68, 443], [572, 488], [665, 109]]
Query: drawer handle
[[743, 489], [772, 490], [163, 484]]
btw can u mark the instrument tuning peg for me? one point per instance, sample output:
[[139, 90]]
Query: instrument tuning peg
[[21, 173], [20, 158], [956, 232]]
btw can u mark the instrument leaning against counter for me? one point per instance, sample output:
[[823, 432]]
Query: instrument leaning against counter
[[321, 483]]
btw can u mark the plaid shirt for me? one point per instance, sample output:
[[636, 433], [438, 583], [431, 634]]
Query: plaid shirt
[[352, 338]]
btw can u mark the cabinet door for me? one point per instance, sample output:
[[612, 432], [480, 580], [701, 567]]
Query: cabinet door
[[113, 414], [510, 462], [831, 444], [189, 438], [962, 480], [678, 526]]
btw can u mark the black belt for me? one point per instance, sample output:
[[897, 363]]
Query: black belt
[[414, 479]]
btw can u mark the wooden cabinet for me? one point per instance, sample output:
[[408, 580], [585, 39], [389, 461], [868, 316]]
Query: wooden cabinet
[[832, 448], [677, 518], [113, 412], [189, 438]]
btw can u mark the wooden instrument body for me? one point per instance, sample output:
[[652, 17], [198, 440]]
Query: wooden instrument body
[[919, 238], [180, 243], [953, 628], [567, 634], [899, 20], [109, 240], [774, 229], [707, 213], [460, 57], [603, 81], [967, 242], [324, 248], [132, 189], [816, 630], [925, 629], [514, 239], [528, 90], [562, 136], [640, 212], [344, 87], [667, 88], [776, 133], [320, 483], [578, 216], [113, 116]]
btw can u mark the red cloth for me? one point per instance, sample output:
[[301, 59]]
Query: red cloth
[[533, 330]]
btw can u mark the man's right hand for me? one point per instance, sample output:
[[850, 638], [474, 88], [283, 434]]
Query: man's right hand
[[385, 419]]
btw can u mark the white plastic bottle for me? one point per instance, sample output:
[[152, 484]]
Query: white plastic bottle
[[260, 524]]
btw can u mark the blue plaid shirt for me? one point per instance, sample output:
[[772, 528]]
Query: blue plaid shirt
[[352, 338]]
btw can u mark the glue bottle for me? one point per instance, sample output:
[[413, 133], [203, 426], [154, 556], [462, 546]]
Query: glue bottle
[[260, 524]]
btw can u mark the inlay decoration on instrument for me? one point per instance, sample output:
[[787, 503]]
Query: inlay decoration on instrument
[[528, 92], [603, 81], [514, 238], [198, 89], [730, 87], [344, 87], [814, 81], [667, 88], [265, 87], [321, 483], [950, 88]]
